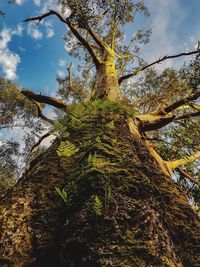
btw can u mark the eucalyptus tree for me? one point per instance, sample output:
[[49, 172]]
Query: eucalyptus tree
[[102, 195]]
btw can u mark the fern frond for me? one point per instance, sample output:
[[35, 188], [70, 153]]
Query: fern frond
[[66, 149]]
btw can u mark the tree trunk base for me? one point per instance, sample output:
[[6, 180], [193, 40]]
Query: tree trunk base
[[121, 211]]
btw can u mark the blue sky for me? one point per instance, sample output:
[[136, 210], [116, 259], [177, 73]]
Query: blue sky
[[32, 56]]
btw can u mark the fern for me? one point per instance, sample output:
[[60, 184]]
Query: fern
[[66, 149], [97, 206], [64, 195], [97, 162], [111, 125]]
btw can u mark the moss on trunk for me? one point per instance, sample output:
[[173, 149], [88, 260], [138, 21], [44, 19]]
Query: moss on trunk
[[119, 209], [106, 82]]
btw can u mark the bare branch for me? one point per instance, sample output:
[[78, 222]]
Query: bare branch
[[188, 116], [182, 102], [69, 69], [152, 122], [138, 70], [181, 162], [188, 176], [40, 140], [73, 30], [44, 99], [40, 114], [41, 17]]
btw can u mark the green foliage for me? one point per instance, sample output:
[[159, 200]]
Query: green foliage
[[154, 91], [111, 125], [64, 195], [97, 207], [67, 193], [17, 112], [97, 162], [81, 113], [109, 107], [66, 149], [60, 129], [98, 140]]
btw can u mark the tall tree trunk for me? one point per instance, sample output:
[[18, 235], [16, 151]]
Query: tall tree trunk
[[106, 83], [120, 209]]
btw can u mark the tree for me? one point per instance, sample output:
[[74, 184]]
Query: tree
[[16, 112], [102, 195]]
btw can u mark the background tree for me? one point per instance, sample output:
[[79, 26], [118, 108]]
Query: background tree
[[16, 112], [102, 195]]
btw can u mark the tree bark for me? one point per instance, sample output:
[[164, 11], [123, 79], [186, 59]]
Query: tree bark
[[141, 219], [106, 83]]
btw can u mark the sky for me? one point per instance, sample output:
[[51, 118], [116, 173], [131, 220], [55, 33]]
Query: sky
[[33, 55]]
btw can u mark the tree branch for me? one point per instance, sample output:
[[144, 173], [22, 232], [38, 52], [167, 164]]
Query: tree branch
[[188, 176], [44, 99], [40, 140], [97, 39], [40, 114], [73, 30], [152, 122], [69, 69], [182, 102], [102, 44], [125, 77], [181, 162], [188, 116]]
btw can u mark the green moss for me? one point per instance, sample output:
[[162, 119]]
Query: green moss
[[111, 165]]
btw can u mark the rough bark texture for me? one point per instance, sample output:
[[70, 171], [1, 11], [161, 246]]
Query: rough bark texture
[[145, 220]]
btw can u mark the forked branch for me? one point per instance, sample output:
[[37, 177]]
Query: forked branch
[[138, 70], [73, 30]]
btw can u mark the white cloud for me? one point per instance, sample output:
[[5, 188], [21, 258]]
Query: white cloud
[[62, 63], [37, 2], [8, 59], [34, 32], [61, 73], [18, 31], [166, 17], [49, 29], [19, 2], [52, 4], [5, 36], [9, 62]]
